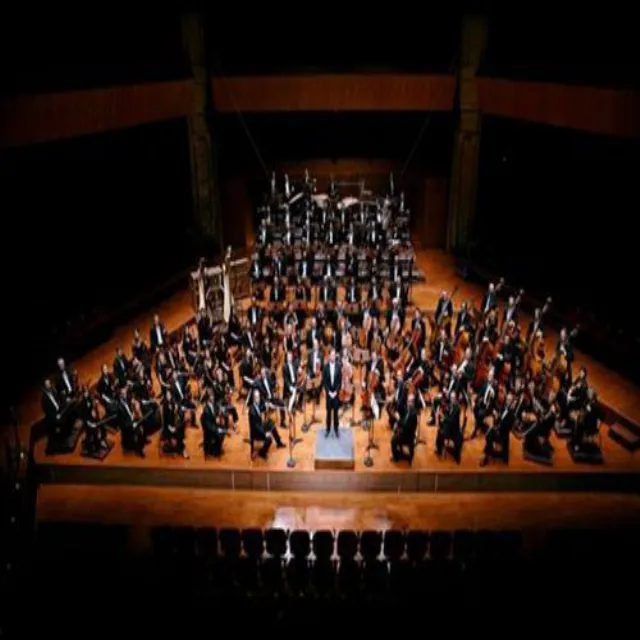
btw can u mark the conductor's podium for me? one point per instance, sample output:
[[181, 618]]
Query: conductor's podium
[[333, 453]]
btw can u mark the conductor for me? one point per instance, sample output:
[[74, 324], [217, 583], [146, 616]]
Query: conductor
[[332, 381]]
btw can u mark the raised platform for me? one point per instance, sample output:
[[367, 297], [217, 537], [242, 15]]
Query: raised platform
[[334, 452]]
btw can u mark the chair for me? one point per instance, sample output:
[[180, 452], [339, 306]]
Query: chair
[[417, 544], [347, 545], [230, 543], [276, 542], [440, 545], [207, 543], [253, 543], [370, 544], [393, 546], [463, 545], [323, 543], [300, 544]]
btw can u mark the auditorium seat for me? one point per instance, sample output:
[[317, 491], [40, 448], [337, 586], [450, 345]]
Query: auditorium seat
[[207, 543], [276, 542], [347, 545], [417, 545], [439, 545], [323, 543], [253, 542], [323, 576], [300, 544], [394, 542], [463, 545], [230, 543], [370, 544]]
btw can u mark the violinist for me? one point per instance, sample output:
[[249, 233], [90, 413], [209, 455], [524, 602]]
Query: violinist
[[442, 350], [504, 356], [510, 313], [133, 437], [404, 432], [499, 431], [278, 292], [260, 429], [565, 348], [399, 291], [421, 363], [463, 321], [66, 383], [222, 396], [290, 317], [173, 432], [254, 314], [213, 431], [539, 426], [182, 394], [449, 428], [121, 367], [289, 376], [313, 334], [306, 266], [315, 367], [376, 365], [247, 371], [95, 431], [489, 300], [444, 308], [266, 385], [450, 384], [535, 325], [190, 349], [107, 390], [266, 355], [58, 424], [234, 330], [140, 351], [353, 292], [157, 334], [374, 295], [485, 403], [332, 383], [143, 392], [418, 328], [577, 394], [587, 421]]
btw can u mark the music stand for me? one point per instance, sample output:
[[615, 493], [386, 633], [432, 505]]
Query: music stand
[[307, 425], [371, 444], [293, 440], [361, 357]]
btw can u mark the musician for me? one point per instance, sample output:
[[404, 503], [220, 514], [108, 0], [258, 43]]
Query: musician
[[56, 419], [222, 396], [418, 324], [143, 392], [106, 388], [376, 364], [290, 317], [289, 376], [510, 313], [352, 292], [278, 267], [213, 431], [442, 350], [485, 403], [182, 394], [121, 367], [332, 382], [421, 361], [315, 367], [578, 392], [133, 438], [499, 432], [157, 334], [65, 385], [504, 356], [444, 308], [173, 431], [189, 349], [564, 347], [449, 428], [261, 430], [327, 292], [266, 385], [205, 329], [247, 371], [256, 268], [399, 291], [95, 432], [313, 334], [234, 330], [264, 234], [463, 321], [140, 351], [489, 300], [543, 414], [278, 293], [374, 296], [588, 419], [535, 325], [331, 236], [265, 354], [397, 402], [305, 270], [404, 432]]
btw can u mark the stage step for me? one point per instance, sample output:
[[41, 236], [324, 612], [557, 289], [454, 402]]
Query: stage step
[[625, 436]]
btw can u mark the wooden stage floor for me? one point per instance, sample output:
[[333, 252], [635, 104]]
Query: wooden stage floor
[[428, 473]]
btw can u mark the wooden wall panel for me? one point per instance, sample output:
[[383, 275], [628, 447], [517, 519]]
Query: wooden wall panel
[[430, 212], [48, 117], [592, 109], [376, 92]]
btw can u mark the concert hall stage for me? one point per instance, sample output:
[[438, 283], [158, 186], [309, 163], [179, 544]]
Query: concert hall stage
[[620, 470]]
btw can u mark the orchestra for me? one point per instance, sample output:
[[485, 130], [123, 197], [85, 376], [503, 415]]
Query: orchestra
[[330, 311]]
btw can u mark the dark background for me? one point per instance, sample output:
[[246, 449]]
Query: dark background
[[105, 220]]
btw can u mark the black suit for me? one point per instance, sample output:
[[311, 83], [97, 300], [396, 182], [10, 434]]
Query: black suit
[[450, 429], [269, 395], [332, 386], [500, 432], [153, 337], [353, 295], [463, 321], [213, 436], [444, 305], [261, 432], [289, 377], [489, 301], [405, 435], [311, 337]]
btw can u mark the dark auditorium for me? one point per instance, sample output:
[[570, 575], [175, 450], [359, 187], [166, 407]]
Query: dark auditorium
[[319, 320]]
